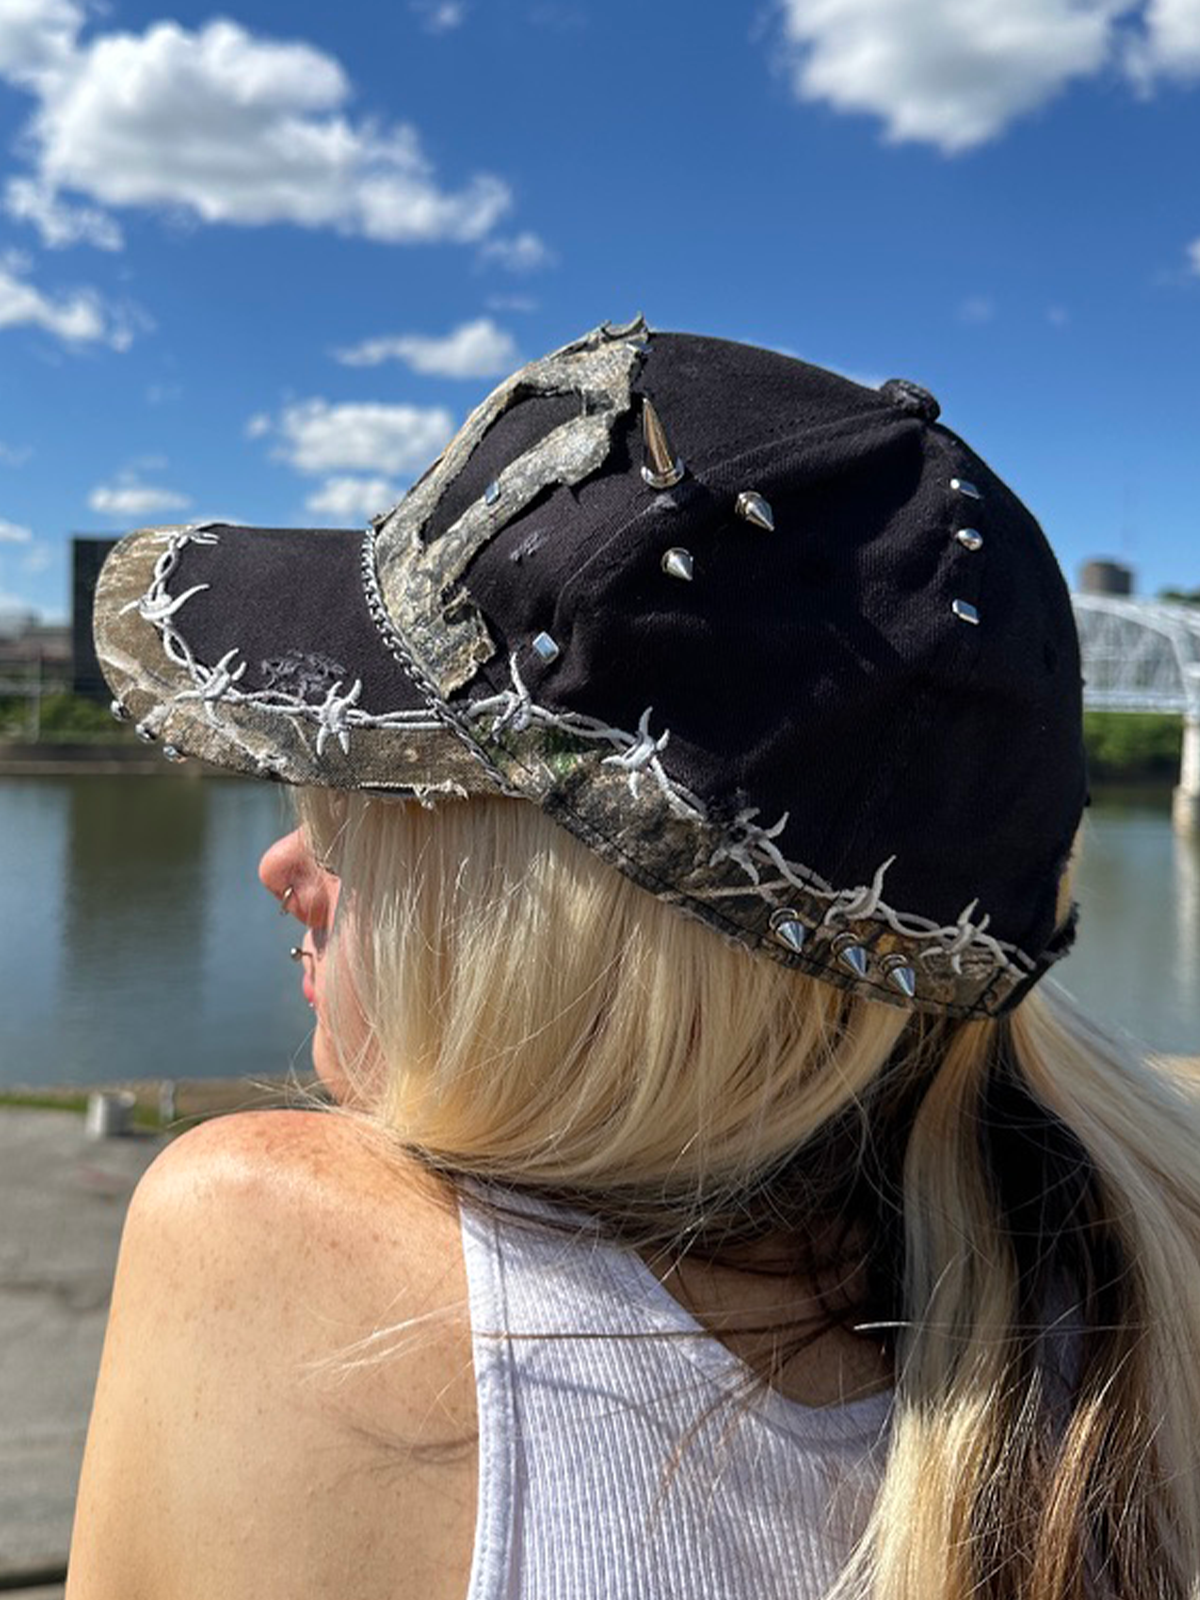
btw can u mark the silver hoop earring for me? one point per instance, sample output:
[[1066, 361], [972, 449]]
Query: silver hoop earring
[[284, 898]]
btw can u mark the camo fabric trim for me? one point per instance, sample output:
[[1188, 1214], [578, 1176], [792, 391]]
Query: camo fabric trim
[[418, 581]]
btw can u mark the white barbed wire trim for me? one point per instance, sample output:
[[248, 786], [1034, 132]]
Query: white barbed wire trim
[[336, 716], [636, 753], [748, 844]]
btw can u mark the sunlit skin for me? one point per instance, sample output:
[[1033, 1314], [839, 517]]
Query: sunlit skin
[[289, 863]]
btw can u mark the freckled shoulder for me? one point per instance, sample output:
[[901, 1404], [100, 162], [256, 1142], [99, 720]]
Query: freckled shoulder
[[292, 1190], [288, 1332]]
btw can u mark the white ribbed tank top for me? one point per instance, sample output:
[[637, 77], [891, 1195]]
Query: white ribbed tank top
[[578, 1436]]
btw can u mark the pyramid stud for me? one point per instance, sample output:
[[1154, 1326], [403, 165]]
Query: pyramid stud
[[662, 469], [970, 538], [120, 711], [901, 976], [964, 486], [965, 612], [753, 508], [545, 647], [854, 958], [172, 752], [789, 930], [145, 732], [678, 564], [491, 494]]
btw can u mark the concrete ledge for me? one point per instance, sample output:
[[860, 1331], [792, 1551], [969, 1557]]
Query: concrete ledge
[[169, 1105]]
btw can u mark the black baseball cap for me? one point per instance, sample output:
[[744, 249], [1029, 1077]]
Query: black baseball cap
[[778, 646]]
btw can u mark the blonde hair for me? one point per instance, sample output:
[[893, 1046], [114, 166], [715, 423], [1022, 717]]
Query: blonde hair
[[516, 1010]]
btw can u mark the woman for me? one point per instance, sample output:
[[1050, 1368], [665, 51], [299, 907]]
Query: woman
[[791, 1245]]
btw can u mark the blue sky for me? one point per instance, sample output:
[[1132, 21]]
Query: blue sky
[[256, 263]]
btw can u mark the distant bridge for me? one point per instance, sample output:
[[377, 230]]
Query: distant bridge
[[1144, 655]]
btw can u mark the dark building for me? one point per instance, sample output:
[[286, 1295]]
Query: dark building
[[1105, 577], [87, 557]]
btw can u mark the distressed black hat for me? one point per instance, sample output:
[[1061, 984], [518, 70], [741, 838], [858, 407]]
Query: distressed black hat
[[778, 646]]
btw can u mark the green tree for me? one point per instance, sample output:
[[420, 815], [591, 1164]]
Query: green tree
[[1133, 744]]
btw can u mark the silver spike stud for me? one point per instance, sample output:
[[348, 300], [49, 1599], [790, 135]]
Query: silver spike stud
[[145, 732], [679, 564], [120, 711], [172, 752], [662, 468], [751, 506], [970, 538], [545, 647], [852, 956], [788, 929], [901, 976], [491, 494], [965, 612], [965, 486]]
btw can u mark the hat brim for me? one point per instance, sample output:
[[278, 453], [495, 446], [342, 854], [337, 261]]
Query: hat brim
[[213, 645]]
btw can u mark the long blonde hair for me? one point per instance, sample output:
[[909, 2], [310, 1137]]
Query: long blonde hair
[[1023, 1193]]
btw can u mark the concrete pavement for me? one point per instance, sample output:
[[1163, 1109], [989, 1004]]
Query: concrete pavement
[[62, 1203]]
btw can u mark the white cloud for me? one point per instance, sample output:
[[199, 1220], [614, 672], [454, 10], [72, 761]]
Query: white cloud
[[14, 455], [476, 349], [129, 497], [1170, 44], [440, 16], [39, 557], [16, 614], [977, 308], [947, 72], [511, 302], [317, 437], [59, 224], [525, 252], [349, 501], [14, 533], [1057, 316], [77, 318], [36, 37], [221, 125]]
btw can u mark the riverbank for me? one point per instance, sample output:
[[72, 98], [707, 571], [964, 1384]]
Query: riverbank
[[168, 1105], [46, 758]]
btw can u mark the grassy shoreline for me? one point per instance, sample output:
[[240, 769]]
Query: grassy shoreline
[[167, 1105]]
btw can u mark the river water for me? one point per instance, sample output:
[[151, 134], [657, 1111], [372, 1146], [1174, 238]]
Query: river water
[[138, 942]]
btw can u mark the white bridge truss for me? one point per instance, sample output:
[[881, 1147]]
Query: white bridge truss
[[1139, 655], [1144, 655]]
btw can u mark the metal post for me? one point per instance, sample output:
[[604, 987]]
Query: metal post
[[1185, 808], [35, 700]]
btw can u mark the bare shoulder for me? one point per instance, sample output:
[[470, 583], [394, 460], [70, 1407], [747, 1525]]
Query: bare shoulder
[[260, 1214], [313, 1159], [288, 1330]]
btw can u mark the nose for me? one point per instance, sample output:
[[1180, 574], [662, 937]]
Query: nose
[[288, 864]]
